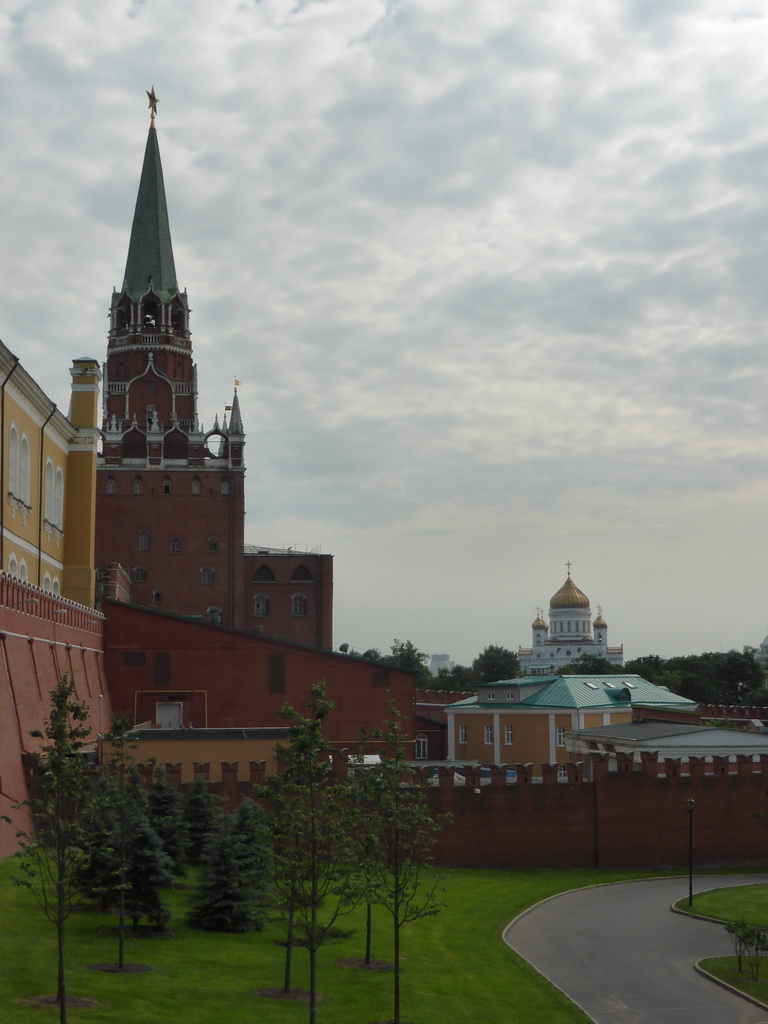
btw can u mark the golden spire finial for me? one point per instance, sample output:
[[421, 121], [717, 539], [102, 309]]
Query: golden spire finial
[[153, 101]]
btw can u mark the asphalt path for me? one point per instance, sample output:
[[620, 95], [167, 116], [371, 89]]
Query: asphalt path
[[620, 953]]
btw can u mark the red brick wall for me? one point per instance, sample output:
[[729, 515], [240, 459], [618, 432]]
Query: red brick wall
[[226, 678], [193, 519], [42, 638], [623, 819]]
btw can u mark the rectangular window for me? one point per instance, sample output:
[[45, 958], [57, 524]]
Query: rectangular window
[[488, 732], [562, 773], [143, 541], [162, 670], [277, 673], [561, 735], [462, 734], [508, 735]]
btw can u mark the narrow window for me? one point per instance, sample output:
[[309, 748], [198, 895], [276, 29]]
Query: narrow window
[[22, 570], [156, 597], [139, 574], [167, 489], [138, 485], [13, 461], [206, 576], [261, 605], [298, 604], [13, 566], [143, 541], [488, 734], [508, 735], [225, 486], [111, 486], [213, 543], [214, 616], [562, 773], [56, 586], [276, 673], [420, 747], [47, 583], [48, 513], [195, 485], [58, 500], [561, 735], [462, 734], [175, 545], [24, 470]]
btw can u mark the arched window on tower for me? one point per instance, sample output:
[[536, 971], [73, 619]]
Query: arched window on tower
[[261, 606], [421, 746], [195, 485], [13, 565], [138, 485], [301, 572], [298, 604], [111, 485], [167, 486], [263, 575], [139, 574], [225, 487], [175, 545], [143, 541], [206, 576], [213, 543]]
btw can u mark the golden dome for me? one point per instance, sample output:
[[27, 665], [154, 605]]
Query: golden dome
[[600, 623], [569, 596], [539, 623]]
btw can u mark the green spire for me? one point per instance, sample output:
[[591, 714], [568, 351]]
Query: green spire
[[150, 253]]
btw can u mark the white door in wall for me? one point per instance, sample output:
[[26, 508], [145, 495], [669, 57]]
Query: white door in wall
[[168, 715]]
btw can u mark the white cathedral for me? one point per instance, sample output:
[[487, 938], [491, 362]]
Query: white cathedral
[[569, 634]]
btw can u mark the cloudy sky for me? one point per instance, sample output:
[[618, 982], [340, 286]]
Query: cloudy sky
[[492, 274]]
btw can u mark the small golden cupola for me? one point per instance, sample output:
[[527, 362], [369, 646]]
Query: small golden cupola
[[600, 622], [539, 623]]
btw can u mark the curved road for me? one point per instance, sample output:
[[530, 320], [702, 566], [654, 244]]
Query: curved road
[[621, 955]]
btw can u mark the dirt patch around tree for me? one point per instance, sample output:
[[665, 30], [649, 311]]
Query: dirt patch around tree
[[117, 969], [359, 963]]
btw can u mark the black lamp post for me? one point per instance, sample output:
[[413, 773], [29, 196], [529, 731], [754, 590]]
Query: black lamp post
[[691, 805]]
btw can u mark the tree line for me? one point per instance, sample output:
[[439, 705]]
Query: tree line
[[714, 677], [311, 847]]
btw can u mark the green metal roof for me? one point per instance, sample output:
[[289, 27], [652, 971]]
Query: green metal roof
[[150, 253], [583, 692]]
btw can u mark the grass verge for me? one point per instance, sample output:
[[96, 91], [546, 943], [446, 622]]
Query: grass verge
[[454, 965], [743, 902]]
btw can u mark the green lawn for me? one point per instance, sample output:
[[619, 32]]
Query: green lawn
[[455, 965], [747, 902]]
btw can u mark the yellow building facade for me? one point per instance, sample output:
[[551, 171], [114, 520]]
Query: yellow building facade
[[528, 720], [47, 515]]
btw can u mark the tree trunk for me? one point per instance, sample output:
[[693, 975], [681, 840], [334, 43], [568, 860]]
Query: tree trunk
[[121, 932], [396, 919], [368, 932], [61, 993], [288, 952]]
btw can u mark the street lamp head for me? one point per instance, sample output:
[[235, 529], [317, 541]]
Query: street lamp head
[[690, 803]]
